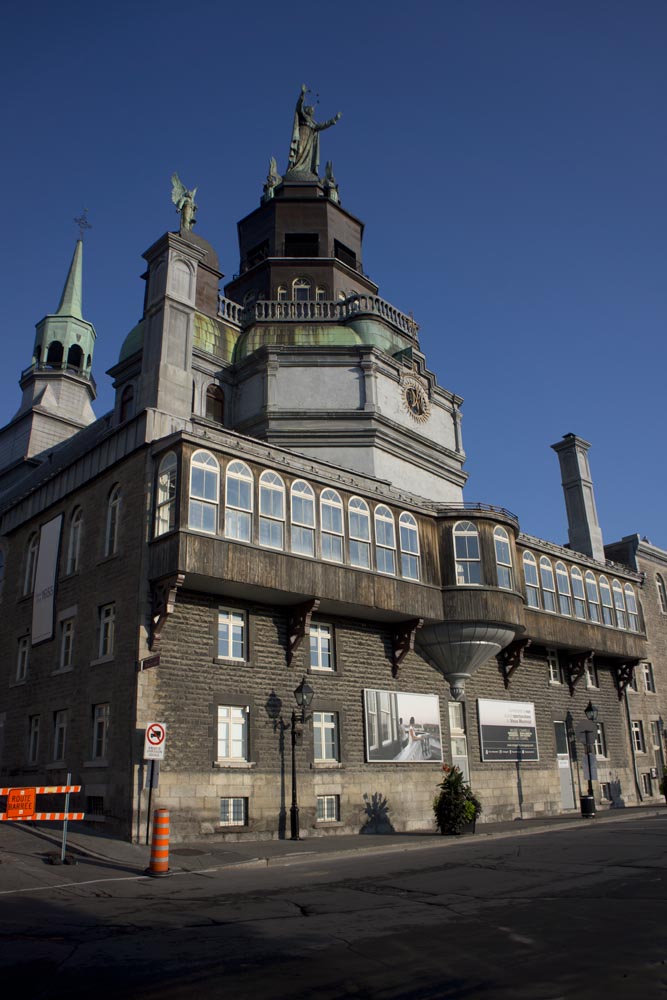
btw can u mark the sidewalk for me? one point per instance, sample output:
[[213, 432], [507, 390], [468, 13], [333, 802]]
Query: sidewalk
[[201, 855]]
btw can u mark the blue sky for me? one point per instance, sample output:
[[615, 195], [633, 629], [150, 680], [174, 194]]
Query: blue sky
[[509, 158]]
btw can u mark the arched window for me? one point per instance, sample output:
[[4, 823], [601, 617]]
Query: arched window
[[631, 605], [619, 604], [54, 354], [385, 540], [113, 520], [75, 357], [593, 597], [359, 522], [238, 502], [503, 558], [127, 403], [548, 585], [303, 518], [564, 591], [271, 510], [31, 564], [409, 536], [320, 294], [578, 593], [215, 404], [607, 603], [300, 290], [331, 523], [249, 297], [466, 553], [662, 593], [281, 293], [531, 580], [165, 501], [74, 546], [204, 492]]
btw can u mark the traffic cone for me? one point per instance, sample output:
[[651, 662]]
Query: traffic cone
[[159, 863]]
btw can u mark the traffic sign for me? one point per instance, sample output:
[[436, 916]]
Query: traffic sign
[[155, 740], [21, 803]]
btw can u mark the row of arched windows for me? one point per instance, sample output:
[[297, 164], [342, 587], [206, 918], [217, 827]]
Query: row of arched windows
[[582, 595], [280, 517]]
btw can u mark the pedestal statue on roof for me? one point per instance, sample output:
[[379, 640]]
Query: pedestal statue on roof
[[184, 201], [304, 155]]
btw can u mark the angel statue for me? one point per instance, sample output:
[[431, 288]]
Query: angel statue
[[272, 181], [304, 154], [184, 201]]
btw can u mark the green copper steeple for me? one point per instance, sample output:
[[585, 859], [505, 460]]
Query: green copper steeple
[[65, 340], [70, 300]]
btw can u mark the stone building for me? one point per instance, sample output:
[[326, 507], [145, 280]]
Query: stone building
[[277, 496]]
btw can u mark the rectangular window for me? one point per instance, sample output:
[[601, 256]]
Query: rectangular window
[[555, 674], [321, 647], [66, 643], [59, 734], [231, 635], [647, 785], [592, 680], [325, 734], [458, 739], [656, 727], [22, 658], [605, 790], [100, 731], [328, 808], [107, 630], [638, 736], [95, 805], [649, 679], [234, 811], [600, 746], [232, 733], [33, 739]]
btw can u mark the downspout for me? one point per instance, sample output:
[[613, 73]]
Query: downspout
[[632, 746]]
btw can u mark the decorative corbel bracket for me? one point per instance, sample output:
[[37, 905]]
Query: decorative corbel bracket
[[623, 676], [403, 642], [510, 658], [163, 599], [298, 626], [575, 667]]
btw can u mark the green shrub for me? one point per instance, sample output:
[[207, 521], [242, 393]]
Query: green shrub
[[455, 805]]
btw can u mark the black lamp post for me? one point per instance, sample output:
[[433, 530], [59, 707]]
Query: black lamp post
[[591, 713], [303, 695]]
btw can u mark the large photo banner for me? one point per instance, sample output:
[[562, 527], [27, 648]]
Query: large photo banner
[[507, 730], [43, 600], [402, 727]]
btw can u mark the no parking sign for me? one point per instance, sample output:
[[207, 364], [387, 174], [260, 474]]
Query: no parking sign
[[155, 741]]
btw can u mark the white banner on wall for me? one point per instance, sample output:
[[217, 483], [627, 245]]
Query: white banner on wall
[[507, 730], [402, 727], [43, 597]]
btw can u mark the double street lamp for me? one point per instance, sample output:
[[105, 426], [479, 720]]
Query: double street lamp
[[303, 695]]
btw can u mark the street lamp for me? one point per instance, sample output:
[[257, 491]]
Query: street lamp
[[588, 801], [303, 695]]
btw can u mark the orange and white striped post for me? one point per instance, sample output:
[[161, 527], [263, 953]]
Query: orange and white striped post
[[159, 863]]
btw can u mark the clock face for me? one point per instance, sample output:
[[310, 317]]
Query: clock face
[[415, 399]]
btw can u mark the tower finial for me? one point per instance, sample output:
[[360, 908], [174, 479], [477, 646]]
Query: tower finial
[[82, 223]]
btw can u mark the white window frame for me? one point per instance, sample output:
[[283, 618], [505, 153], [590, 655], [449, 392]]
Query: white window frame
[[322, 647], [359, 532], [299, 285], [326, 750], [637, 732], [22, 658], [385, 540], [271, 510], [592, 596], [166, 494], [501, 543], [331, 526], [74, 545], [467, 555], [232, 733], [233, 810], [578, 594], [619, 604], [631, 607], [100, 741], [548, 583], [60, 720], [328, 808], [231, 624], [408, 533], [33, 738], [66, 645], [531, 580], [607, 602], [591, 673], [31, 564], [564, 589], [107, 631], [662, 593], [600, 742], [302, 518], [553, 663], [204, 502], [239, 489], [649, 678], [112, 522]]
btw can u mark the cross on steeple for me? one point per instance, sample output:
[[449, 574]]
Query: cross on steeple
[[82, 223]]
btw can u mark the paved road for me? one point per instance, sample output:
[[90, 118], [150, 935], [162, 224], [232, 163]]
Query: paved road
[[569, 913]]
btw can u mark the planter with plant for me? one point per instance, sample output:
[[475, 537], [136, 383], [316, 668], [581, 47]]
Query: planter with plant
[[663, 783], [455, 806]]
